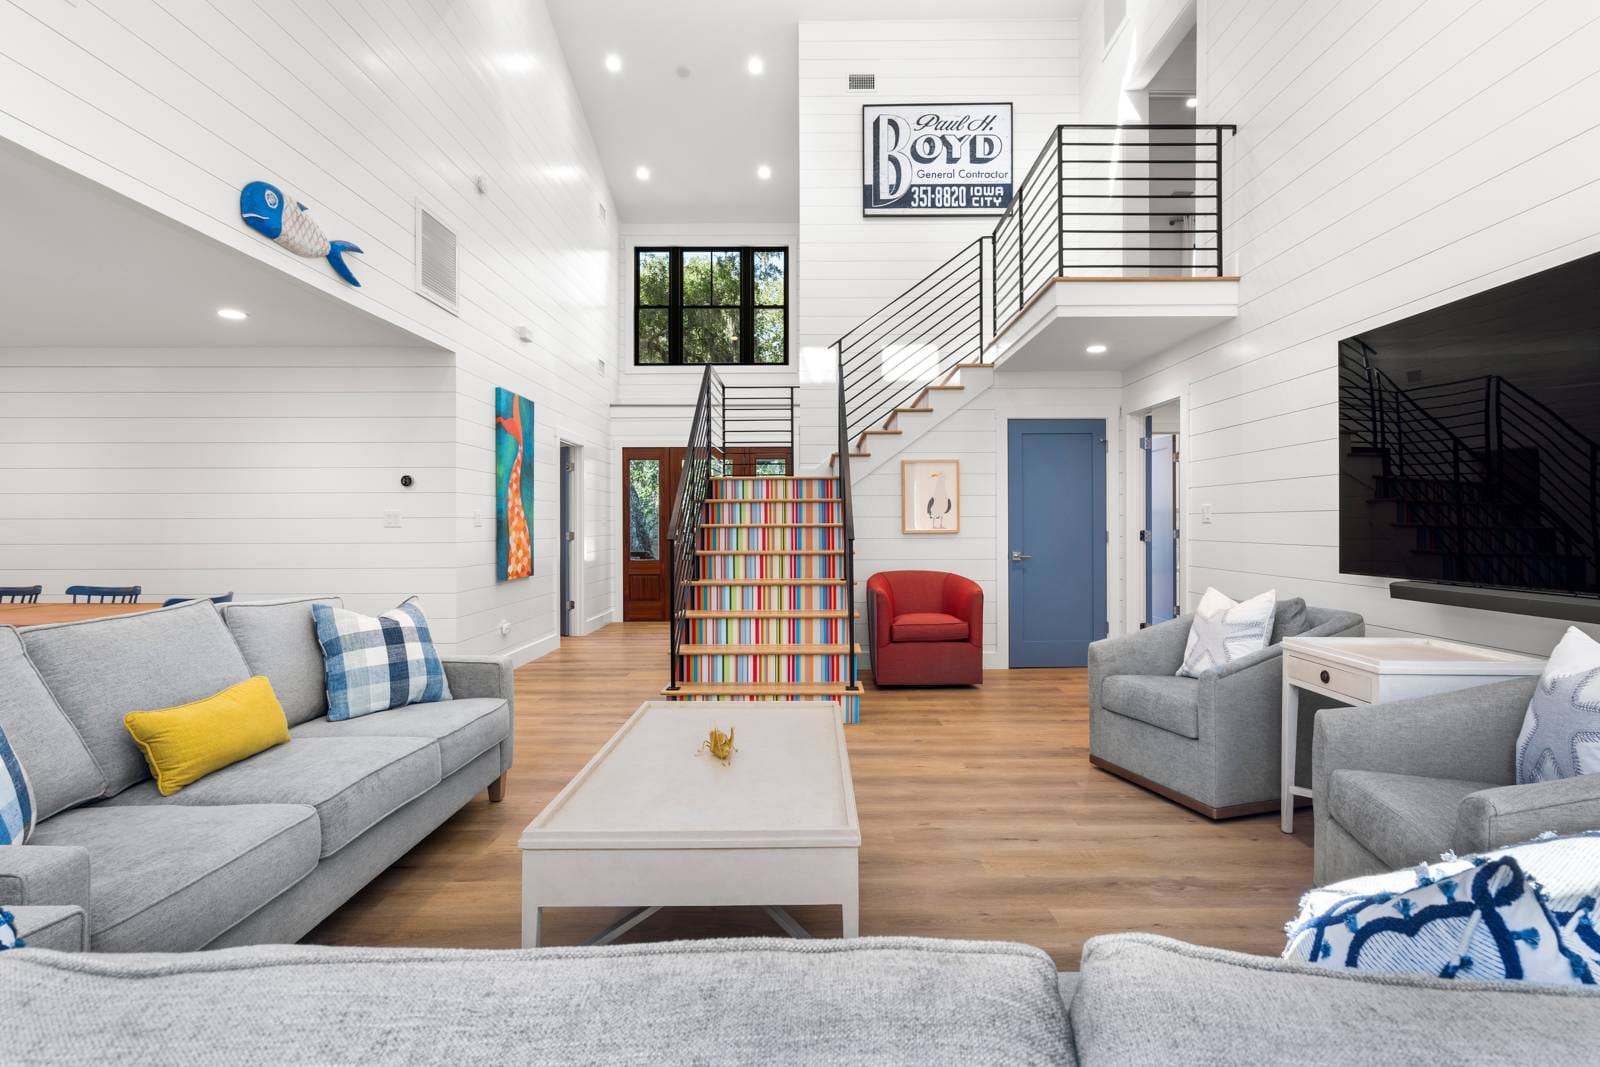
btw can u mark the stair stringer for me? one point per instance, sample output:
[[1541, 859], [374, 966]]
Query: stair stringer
[[915, 425]]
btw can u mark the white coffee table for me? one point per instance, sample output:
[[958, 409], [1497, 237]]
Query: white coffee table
[[652, 822], [1374, 670]]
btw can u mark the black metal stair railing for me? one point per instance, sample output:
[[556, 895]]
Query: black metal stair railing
[[1099, 201], [705, 432]]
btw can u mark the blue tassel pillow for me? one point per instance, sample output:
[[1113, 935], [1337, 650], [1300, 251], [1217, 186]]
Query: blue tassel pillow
[[1524, 913], [378, 663], [9, 937], [16, 797]]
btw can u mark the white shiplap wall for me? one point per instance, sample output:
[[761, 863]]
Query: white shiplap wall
[[362, 109], [1390, 158]]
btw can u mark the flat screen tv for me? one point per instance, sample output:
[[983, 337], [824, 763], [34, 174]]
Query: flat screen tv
[[1469, 439]]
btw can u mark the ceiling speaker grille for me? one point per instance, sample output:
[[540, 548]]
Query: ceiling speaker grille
[[436, 259], [863, 83]]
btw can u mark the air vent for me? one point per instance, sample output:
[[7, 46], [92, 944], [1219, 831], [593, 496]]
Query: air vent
[[863, 83], [436, 260]]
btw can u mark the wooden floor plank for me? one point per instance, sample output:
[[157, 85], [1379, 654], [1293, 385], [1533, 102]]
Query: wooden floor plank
[[980, 817]]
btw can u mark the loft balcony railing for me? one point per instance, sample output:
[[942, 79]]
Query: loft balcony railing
[[1099, 201]]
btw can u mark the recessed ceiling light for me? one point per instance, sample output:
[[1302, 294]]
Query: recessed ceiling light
[[1096, 350], [232, 314], [763, 172], [642, 173], [756, 65], [1191, 102], [613, 63]]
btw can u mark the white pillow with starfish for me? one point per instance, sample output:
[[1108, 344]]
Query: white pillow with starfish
[[1224, 630], [1561, 732]]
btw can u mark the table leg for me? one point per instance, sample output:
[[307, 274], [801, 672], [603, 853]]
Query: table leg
[[532, 916], [1289, 748], [851, 912]]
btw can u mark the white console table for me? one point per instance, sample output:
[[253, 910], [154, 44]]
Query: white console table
[[1374, 670]]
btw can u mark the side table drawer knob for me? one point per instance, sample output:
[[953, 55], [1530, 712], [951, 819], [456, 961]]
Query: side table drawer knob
[[1326, 677]]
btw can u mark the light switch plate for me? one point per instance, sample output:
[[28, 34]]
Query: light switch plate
[[1205, 514]]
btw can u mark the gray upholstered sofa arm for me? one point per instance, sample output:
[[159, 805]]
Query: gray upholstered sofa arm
[[1469, 735], [1492, 818], [63, 929], [480, 676], [1156, 649], [44, 874]]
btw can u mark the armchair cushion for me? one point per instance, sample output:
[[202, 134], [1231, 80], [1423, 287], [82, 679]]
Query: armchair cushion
[[1164, 701], [928, 626], [1401, 818]]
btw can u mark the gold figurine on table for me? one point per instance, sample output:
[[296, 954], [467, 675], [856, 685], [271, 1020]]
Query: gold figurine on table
[[719, 744]]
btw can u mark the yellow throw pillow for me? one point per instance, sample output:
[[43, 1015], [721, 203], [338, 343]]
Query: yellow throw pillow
[[188, 742]]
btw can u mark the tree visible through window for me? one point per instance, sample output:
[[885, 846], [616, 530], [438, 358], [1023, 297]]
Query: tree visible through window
[[711, 305]]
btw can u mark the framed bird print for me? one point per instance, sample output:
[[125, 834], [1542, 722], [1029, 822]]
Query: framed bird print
[[513, 486], [930, 496]]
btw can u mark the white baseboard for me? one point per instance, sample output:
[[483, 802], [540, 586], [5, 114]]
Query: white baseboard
[[533, 650], [595, 622]]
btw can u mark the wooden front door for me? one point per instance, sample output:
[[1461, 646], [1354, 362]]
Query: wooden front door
[[758, 462], [649, 488]]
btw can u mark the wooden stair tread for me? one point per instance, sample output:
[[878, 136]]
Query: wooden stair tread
[[890, 432], [797, 613], [766, 650], [776, 689], [767, 581]]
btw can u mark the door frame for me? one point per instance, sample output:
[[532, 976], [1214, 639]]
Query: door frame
[[1147, 447], [1101, 428], [671, 460], [578, 621]]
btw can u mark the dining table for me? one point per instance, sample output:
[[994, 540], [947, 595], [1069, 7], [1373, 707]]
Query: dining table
[[39, 614]]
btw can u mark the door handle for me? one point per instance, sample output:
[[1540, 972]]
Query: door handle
[[1018, 557]]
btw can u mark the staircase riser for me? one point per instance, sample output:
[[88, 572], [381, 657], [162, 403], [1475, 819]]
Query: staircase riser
[[766, 669], [758, 489], [771, 538], [758, 566], [773, 511], [769, 598], [851, 705], [768, 631]]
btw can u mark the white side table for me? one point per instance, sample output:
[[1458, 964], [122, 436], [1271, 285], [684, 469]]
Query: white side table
[[1373, 670]]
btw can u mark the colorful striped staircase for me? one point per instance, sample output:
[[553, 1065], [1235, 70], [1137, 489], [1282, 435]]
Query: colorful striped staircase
[[768, 615]]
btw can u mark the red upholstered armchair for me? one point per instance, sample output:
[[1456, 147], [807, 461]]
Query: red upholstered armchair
[[926, 627]]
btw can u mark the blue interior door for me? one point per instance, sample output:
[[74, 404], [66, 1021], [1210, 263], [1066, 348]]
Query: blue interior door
[[1160, 526], [566, 541], [1057, 508]]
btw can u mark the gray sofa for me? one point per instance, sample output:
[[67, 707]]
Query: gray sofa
[[1209, 743], [1138, 999], [260, 851], [1397, 784]]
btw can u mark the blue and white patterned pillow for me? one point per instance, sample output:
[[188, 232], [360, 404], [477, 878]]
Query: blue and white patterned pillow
[[1223, 631], [1562, 872], [1560, 735], [9, 938], [16, 796], [377, 663]]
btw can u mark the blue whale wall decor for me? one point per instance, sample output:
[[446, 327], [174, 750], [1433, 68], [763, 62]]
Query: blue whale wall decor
[[286, 222]]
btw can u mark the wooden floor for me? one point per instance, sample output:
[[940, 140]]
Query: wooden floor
[[980, 818]]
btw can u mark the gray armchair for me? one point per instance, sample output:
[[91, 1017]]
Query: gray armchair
[[1208, 743], [1397, 784]]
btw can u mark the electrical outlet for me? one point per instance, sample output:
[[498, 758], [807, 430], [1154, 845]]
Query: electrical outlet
[[477, 518], [1205, 514], [391, 520], [505, 627]]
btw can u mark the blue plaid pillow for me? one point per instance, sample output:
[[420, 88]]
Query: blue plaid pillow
[[374, 664], [16, 797]]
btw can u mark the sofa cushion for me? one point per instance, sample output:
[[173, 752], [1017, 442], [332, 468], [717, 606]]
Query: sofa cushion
[[1224, 630], [1219, 1007], [1167, 702], [101, 669], [279, 640], [353, 782], [928, 626], [1290, 619], [746, 1000], [1402, 819], [59, 767], [170, 879], [463, 728]]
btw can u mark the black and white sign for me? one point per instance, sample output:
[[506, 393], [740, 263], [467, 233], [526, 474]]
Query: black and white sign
[[936, 159]]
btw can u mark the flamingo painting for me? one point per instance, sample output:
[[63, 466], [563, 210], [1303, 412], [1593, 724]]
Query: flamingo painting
[[513, 485]]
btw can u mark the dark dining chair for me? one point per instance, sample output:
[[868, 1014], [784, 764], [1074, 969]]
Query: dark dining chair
[[220, 598], [105, 594], [20, 594]]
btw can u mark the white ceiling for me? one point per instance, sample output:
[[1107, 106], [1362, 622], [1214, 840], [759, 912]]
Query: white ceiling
[[87, 267], [703, 136]]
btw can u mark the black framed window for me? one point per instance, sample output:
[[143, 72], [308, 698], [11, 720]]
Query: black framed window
[[711, 305]]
